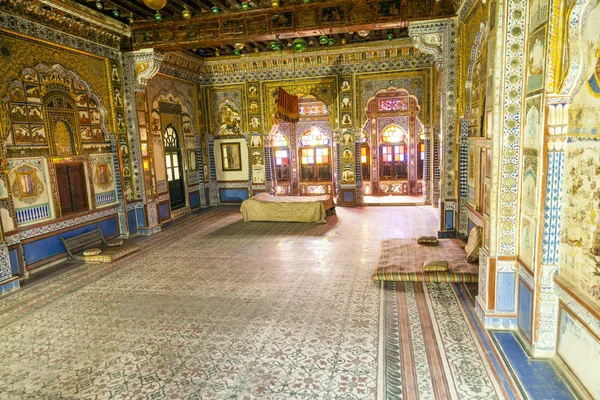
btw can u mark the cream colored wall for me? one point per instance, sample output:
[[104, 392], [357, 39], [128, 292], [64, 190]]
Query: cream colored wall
[[228, 176]]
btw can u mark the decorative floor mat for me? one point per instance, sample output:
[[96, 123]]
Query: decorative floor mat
[[428, 347], [402, 260]]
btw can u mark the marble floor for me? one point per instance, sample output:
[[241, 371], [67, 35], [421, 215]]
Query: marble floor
[[212, 308]]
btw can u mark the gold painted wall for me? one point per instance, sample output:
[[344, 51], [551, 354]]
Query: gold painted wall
[[26, 53]]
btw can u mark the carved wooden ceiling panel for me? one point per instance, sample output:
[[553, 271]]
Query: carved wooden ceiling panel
[[220, 26]]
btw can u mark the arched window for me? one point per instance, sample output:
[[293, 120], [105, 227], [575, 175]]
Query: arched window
[[282, 158], [394, 153], [315, 156]]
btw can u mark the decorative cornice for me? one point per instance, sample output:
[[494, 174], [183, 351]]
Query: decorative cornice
[[381, 56], [12, 23], [91, 16], [183, 66], [145, 64], [66, 19]]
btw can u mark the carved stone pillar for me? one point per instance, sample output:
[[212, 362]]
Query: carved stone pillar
[[499, 271], [138, 68], [427, 166], [438, 38], [545, 299]]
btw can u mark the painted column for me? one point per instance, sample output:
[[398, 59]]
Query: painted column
[[438, 38], [496, 300], [138, 68], [463, 165], [8, 282], [427, 166]]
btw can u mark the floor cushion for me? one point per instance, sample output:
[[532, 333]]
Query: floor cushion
[[428, 241], [92, 252], [435, 266]]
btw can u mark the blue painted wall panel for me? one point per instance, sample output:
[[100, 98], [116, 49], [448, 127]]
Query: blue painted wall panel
[[163, 211], [132, 221], [51, 246], [349, 197], [525, 309], [233, 195], [14, 261], [449, 220], [194, 199], [141, 218], [505, 291]]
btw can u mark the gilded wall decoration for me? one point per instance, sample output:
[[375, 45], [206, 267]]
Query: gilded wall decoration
[[27, 115], [30, 190], [538, 13], [229, 119], [528, 241], [536, 56], [224, 110], [416, 83], [529, 181], [323, 89], [533, 122], [91, 72]]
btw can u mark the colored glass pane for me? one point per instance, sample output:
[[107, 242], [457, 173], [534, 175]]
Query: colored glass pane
[[312, 109], [394, 134], [392, 105], [280, 141], [314, 137]]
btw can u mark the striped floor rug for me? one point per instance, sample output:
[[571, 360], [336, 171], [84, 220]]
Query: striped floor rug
[[402, 260], [429, 349]]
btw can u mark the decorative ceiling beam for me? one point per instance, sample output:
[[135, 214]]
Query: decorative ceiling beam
[[297, 20], [217, 31], [134, 9]]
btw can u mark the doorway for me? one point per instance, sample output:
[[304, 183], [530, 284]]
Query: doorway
[[71, 188], [174, 167]]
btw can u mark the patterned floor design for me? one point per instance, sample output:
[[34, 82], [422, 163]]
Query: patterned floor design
[[213, 308], [431, 352]]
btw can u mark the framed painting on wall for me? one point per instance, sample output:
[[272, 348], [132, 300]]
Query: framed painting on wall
[[488, 163], [27, 184], [192, 164], [231, 157], [102, 174]]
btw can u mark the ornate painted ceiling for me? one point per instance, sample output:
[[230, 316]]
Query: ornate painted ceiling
[[219, 27]]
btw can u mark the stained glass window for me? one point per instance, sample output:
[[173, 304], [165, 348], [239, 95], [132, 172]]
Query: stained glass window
[[282, 164], [392, 105], [421, 160], [315, 157], [364, 162], [312, 109], [394, 134], [314, 137], [280, 141], [394, 161]]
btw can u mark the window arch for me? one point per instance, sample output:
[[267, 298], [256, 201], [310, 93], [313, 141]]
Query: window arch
[[315, 156], [394, 134]]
